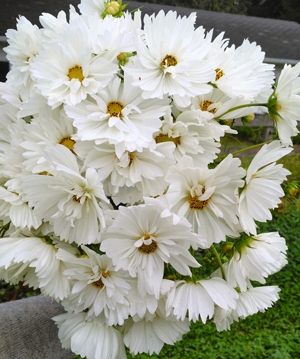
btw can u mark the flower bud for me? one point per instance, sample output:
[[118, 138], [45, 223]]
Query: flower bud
[[291, 189], [227, 247], [122, 56], [248, 119], [113, 8], [227, 122]]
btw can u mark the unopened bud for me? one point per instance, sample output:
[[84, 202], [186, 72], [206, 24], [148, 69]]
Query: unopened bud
[[122, 56], [291, 189], [227, 122], [227, 247], [293, 192], [113, 8], [248, 119]]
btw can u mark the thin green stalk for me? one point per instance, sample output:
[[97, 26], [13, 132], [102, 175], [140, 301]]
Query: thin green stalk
[[192, 251], [242, 106], [219, 261], [249, 148]]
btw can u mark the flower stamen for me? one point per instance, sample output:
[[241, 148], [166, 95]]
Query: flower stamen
[[68, 142], [219, 74], [148, 248], [114, 108], [76, 73], [98, 283], [205, 105], [165, 138], [195, 203], [131, 158], [168, 61]]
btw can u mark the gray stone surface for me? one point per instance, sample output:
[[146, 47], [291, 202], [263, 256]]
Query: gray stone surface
[[27, 331], [280, 39]]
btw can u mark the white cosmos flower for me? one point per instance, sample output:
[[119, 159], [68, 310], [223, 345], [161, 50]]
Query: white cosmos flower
[[66, 199], [199, 299], [171, 58], [287, 103], [242, 72], [263, 186], [205, 109], [216, 103], [89, 337], [24, 44], [140, 306], [20, 214], [52, 25], [149, 336], [259, 257], [206, 197], [189, 139], [140, 241], [120, 115], [96, 286], [133, 175], [47, 130], [20, 272], [111, 37], [66, 70], [248, 303], [9, 107], [90, 7], [38, 254]]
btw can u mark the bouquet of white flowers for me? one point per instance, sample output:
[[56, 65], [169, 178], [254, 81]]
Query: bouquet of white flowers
[[115, 197]]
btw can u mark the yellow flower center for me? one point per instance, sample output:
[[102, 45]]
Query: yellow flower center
[[131, 158], [98, 283], [196, 204], [165, 138], [77, 199], [148, 248], [168, 61], [114, 108], [205, 105], [219, 74], [68, 142], [76, 73], [45, 173]]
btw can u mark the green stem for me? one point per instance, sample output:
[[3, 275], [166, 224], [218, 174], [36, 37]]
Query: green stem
[[219, 261], [241, 106], [4, 229], [192, 251], [249, 148]]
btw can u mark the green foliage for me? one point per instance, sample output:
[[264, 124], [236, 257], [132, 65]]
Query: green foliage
[[248, 133]]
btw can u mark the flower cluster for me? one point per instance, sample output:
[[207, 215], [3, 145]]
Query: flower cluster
[[115, 197]]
